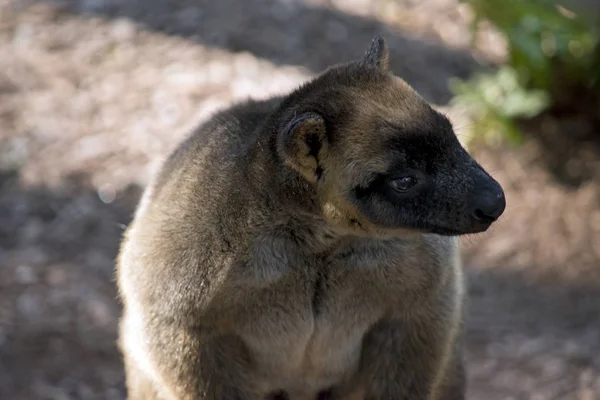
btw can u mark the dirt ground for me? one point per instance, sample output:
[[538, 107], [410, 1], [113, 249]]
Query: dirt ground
[[93, 93]]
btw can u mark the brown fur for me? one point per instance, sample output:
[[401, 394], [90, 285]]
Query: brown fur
[[270, 258]]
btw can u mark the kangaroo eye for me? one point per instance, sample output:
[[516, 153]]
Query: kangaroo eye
[[403, 184]]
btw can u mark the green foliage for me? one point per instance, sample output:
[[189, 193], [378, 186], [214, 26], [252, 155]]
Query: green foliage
[[496, 100], [550, 50]]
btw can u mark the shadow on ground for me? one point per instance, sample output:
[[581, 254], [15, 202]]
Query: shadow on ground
[[58, 304], [289, 33]]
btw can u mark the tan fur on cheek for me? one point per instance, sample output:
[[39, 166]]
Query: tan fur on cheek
[[331, 212]]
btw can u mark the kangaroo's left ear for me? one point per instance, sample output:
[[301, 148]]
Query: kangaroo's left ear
[[378, 55], [302, 144]]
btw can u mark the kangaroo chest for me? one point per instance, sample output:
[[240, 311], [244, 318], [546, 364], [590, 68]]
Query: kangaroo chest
[[306, 330]]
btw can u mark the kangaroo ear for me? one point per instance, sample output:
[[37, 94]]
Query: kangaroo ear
[[302, 144], [378, 54]]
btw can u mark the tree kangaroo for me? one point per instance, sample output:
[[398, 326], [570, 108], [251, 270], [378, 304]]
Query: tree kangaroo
[[306, 247]]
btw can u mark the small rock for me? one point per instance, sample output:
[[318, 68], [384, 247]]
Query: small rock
[[29, 306], [123, 30], [113, 393], [357, 7], [532, 346], [178, 75], [107, 193], [32, 230], [111, 378], [486, 368], [189, 17], [13, 153], [247, 65], [93, 5], [110, 89], [82, 104], [58, 345], [587, 394], [597, 384], [495, 350], [25, 275], [169, 114], [90, 147], [30, 255], [24, 33], [553, 367], [218, 71], [98, 260], [507, 379], [84, 391], [56, 275], [336, 31], [574, 349], [99, 312], [537, 396]]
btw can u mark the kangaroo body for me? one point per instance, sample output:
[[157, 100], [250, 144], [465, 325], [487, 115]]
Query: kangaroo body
[[306, 247]]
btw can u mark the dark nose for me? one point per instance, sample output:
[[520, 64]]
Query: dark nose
[[489, 206]]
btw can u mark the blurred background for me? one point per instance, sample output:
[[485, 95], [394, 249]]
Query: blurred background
[[93, 93]]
